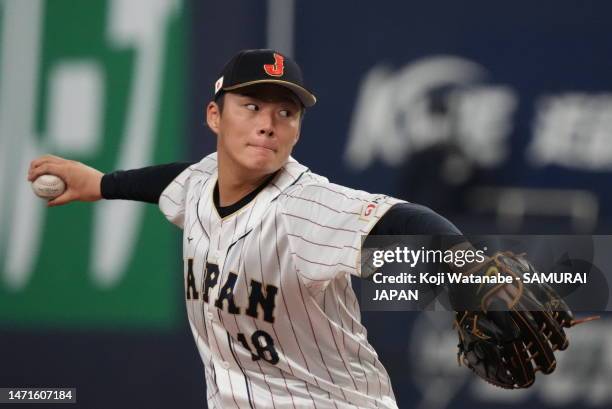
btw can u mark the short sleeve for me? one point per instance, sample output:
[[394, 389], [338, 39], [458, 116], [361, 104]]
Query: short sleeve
[[172, 199], [325, 223]]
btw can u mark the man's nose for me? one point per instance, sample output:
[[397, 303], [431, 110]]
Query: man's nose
[[266, 124]]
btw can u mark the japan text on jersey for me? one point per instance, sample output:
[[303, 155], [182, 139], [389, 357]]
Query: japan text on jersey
[[268, 291]]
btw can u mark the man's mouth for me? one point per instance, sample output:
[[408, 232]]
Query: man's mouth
[[262, 147]]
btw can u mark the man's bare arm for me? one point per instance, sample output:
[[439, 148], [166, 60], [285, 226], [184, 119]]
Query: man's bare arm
[[84, 183]]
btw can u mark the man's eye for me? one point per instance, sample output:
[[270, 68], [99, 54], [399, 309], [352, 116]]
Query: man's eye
[[285, 113], [252, 107]]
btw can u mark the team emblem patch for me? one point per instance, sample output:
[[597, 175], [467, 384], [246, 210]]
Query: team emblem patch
[[368, 211], [278, 68]]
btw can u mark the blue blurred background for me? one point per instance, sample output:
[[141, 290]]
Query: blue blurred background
[[497, 115]]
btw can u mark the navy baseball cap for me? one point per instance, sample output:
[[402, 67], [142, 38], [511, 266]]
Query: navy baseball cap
[[250, 67]]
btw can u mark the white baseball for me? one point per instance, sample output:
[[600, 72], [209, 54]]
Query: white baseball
[[48, 186]]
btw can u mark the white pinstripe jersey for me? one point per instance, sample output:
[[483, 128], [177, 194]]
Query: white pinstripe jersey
[[268, 291]]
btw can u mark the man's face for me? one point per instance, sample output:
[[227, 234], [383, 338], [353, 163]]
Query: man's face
[[257, 129]]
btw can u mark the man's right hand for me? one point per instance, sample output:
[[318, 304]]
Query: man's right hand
[[82, 181]]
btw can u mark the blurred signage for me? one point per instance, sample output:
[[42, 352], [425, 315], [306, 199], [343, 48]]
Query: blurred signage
[[99, 82], [445, 100]]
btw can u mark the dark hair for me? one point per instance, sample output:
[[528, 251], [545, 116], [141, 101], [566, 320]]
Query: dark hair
[[220, 101]]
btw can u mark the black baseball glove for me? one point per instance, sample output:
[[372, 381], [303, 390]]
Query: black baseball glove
[[510, 331]]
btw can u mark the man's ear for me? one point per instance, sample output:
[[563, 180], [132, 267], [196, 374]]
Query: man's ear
[[213, 116]]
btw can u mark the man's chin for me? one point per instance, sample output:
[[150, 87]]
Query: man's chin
[[261, 167]]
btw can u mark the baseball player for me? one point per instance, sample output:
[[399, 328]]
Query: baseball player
[[269, 247]]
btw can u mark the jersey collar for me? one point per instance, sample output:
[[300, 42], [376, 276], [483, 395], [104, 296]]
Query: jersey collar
[[259, 206]]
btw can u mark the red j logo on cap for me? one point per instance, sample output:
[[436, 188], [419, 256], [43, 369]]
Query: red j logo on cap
[[276, 69]]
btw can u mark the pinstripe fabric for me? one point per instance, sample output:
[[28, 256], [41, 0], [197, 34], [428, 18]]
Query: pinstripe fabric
[[268, 291]]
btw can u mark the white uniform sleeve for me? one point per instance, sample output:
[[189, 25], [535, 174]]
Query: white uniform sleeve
[[172, 199], [325, 223]]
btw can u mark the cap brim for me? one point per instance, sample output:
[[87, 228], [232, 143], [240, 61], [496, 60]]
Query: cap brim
[[305, 96]]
